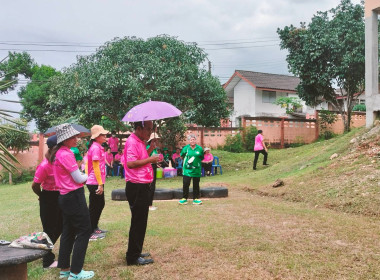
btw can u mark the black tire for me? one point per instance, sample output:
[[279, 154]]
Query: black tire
[[163, 194], [118, 194], [214, 192], [178, 193]]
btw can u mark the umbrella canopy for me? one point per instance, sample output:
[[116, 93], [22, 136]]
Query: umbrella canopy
[[150, 111], [83, 131]]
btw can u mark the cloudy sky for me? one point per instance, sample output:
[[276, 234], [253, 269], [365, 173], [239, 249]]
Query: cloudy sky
[[236, 34]]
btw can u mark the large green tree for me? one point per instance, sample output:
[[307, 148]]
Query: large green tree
[[12, 67], [128, 71], [327, 53], [35, 96]]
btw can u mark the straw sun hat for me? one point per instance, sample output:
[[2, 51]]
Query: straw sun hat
[[96, 130], [65, 131]]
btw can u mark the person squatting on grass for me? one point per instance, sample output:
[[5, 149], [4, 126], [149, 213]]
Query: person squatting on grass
[[109, 162], [96, 178], [76, 217], [138, 177], [260, 148], [192, 155], [50, 213]]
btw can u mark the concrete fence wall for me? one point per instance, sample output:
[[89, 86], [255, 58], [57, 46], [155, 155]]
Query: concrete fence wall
[[280, 132]]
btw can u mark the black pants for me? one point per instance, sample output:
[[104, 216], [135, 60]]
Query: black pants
[[76, 230], [115, 167], [51, 219], [186, 185], [96, 205], [207, 167], [138, 199], [257, 153], [153, 185]]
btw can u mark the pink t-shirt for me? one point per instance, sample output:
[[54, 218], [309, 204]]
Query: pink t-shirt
[[63, 165], [96, 152], [259, 143], [113, 142], [109, 157], [174, 156], [44, 175], [118, 157], [208, 157], [135, 150]]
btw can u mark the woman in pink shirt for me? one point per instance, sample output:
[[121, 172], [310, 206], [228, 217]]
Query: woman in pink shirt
[[50, 214], [207, 161], [96, 178], [76, 217], [109, 162], [260, 148]]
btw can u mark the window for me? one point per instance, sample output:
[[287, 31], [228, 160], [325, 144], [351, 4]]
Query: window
[[269, 96]]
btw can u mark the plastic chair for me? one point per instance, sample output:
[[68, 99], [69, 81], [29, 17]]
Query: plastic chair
[[215, 165]]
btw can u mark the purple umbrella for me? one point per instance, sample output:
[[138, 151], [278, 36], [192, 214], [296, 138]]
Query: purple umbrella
[[150, 111]]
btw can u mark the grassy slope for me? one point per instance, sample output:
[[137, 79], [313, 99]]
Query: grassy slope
[[258, 232]]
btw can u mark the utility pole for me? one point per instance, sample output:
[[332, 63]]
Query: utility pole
[[209, 66]]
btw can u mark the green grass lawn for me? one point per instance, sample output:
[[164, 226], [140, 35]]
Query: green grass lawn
[[323, 224]]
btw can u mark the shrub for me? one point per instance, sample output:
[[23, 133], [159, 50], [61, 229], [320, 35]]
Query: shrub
[[19, 177], [359, 107], [234, 144], [250, 133]]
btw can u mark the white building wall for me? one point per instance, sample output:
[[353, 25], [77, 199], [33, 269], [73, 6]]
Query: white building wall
[[269, 109], [244, 101]]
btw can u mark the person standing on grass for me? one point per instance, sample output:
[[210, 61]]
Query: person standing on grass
[[72, 201], [50, 213], [192, 169], [96, 178], [260, 148], [113, 143], [138, 177]]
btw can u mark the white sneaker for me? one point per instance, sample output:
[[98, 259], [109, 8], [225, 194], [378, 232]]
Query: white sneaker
[[152, 208]]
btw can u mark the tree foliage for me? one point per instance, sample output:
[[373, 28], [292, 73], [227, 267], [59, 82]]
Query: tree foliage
[[291, 104], [128, 71], [15, 137], [328, 51], [35, 96], [11, 67]]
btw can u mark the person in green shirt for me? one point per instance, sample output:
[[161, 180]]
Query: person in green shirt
[[78, 156], [192, 155]]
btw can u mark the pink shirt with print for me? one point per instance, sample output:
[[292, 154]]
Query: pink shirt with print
[[113, 142], [135, 149], [208, 157], [259, 142], [109, 157], [118, 157], [63, 165], [96, 152], [44, 175]]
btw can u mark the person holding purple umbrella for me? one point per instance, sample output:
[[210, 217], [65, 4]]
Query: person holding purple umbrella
[[138, 177]]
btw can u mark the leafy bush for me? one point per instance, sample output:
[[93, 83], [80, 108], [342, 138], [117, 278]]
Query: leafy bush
[[250, 133], [234, 144], [21, 176], [359, 107]]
